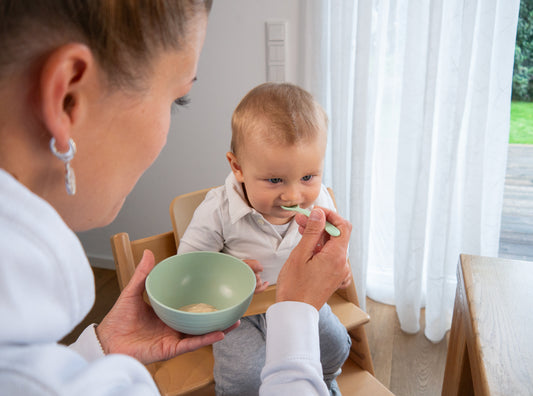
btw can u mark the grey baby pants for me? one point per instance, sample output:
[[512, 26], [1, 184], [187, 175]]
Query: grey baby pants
[[240, 357]]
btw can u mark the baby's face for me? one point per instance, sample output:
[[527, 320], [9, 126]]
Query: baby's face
[[281, 175]]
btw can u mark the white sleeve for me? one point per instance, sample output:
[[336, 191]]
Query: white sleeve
[[292, 364], [54, 369], [87, 344]]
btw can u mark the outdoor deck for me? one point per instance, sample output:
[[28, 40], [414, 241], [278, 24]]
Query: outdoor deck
[[516, 239]]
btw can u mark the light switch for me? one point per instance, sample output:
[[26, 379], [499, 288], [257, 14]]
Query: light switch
[[276, 73], [276, 31], [276, 55]]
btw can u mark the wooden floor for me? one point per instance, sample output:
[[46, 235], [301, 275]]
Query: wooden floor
[[516, 239], [409, 365]]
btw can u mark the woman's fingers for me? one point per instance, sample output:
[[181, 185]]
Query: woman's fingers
[[313, 234]]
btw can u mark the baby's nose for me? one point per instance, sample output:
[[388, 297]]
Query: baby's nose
[[291, 194]]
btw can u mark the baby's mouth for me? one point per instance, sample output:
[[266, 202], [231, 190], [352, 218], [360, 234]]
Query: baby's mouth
[[293, 204]]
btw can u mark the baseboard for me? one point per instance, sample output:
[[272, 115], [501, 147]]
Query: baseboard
[[101, 262]]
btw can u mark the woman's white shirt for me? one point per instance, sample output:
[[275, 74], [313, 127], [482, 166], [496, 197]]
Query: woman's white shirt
[[46, 289]]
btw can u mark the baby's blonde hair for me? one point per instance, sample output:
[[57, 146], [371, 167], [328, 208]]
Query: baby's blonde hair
[[279, 113]]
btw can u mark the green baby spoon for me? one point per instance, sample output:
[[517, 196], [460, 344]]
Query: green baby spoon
[[330, 228]]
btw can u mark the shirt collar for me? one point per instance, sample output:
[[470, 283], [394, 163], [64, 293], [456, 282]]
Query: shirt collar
[[237, 202]]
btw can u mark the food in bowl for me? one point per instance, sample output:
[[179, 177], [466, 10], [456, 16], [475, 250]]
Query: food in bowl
[[199, 307]]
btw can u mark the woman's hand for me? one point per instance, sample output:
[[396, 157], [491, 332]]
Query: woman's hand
[[132, 328], [347, 281], [256, 266], [317, 266]]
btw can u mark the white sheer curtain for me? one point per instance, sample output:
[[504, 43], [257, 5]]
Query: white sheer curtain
[[418, 94]]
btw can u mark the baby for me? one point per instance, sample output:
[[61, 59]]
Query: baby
[[277, 156]]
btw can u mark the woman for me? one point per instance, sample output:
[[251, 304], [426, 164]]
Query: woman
[[85, 90]]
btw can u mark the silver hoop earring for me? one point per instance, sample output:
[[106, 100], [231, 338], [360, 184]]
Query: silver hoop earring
[[70, 177]]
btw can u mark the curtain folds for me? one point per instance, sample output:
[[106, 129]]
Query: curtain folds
[[418, 95]]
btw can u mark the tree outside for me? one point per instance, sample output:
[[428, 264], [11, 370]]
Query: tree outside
[[523, 58], [522, 104]]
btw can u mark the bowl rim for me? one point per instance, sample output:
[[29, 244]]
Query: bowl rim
[[186, 313]]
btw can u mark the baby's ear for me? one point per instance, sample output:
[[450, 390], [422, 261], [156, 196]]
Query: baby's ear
[[235, 166]]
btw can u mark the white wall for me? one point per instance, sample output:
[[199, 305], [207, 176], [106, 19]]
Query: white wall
[[232, 62]]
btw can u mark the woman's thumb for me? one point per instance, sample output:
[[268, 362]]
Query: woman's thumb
[[313, 230], [136, 283]]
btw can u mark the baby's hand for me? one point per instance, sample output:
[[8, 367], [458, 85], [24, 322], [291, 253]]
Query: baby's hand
[[260, 286]]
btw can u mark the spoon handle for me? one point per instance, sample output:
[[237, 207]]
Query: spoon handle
[[330, 228]]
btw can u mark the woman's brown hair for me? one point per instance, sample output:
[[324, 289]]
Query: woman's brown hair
[[124, 35]]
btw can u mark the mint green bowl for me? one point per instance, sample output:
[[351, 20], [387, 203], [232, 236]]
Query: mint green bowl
[[218, 279]]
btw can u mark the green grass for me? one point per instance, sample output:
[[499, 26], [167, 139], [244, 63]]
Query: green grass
[[521, 123]]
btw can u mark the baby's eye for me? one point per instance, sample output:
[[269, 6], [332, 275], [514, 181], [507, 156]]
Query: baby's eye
[[307, 178], [275, 180]]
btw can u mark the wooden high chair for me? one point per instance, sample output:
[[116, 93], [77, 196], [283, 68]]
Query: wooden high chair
[[192, 373]]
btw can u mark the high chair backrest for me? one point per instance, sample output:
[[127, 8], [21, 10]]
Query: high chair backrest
[[128, 253], [182, 208]]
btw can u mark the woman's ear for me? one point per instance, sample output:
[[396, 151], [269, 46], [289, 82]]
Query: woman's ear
[[64, 76], [235, 166]]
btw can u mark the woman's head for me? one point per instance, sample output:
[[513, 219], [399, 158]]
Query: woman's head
[[103, 73]]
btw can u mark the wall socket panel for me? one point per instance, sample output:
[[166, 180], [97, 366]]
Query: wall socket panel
[[276, 50]]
